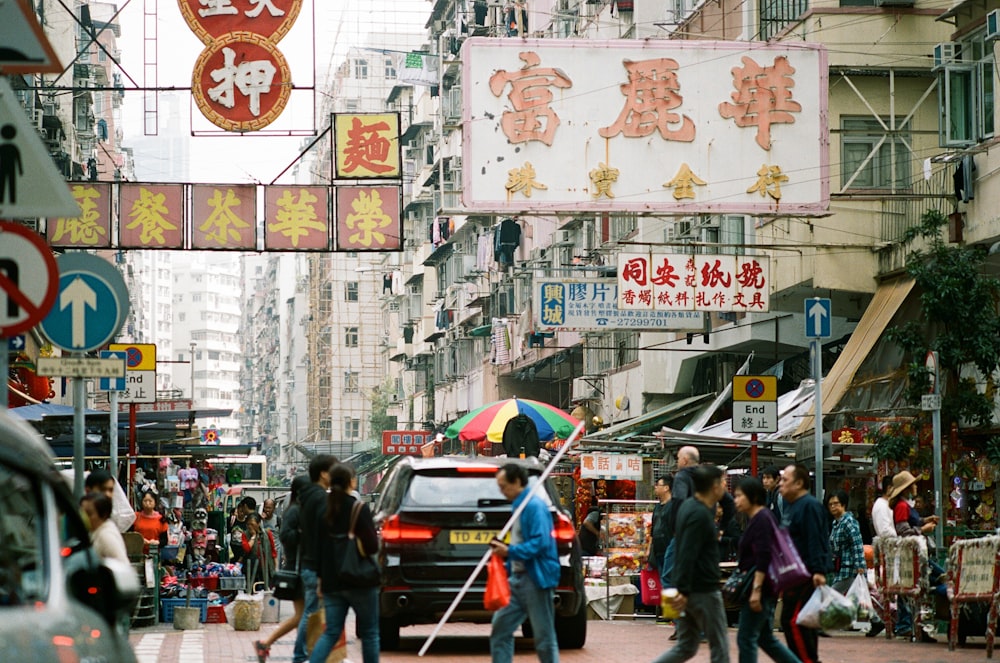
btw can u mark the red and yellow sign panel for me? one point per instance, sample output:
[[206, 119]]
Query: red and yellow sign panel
[[241, 82], [211, 19], [92, 229], [296, 218], [152, 216], [366, 145], [224, 217], [368, 218]]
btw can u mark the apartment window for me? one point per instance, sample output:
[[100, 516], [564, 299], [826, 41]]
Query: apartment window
[[390, 69], [351, 337], [361, 69], [181, 317], [867, 152], [965, 93], [325, 430], [352, 382], [352, 429], [776, 15], [351, 291]]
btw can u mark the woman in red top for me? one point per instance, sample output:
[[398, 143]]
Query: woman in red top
[[149, 522], [259, 552]]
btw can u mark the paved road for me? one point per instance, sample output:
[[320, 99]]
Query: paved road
[[607, 642]]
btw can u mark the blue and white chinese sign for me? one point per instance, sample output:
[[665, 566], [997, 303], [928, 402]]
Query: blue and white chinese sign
[[592, 305]]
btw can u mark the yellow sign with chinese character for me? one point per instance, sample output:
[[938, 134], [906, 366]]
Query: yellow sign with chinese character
[[366, 145]]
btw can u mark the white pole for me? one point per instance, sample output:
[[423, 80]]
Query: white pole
[[502, 533]]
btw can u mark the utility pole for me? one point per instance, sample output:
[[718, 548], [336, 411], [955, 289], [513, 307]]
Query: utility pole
[[193, 346]]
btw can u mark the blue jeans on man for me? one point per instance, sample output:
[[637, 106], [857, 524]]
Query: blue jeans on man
[[308, 576], [667, 565], [365, 604], [526, 600]]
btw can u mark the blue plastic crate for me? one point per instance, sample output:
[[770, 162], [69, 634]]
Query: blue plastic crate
[[167, 608]]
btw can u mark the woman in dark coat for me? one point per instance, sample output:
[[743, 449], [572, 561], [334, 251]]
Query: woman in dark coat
[[337, 598]]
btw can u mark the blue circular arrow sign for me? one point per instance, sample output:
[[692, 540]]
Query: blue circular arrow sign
[[91, 305]]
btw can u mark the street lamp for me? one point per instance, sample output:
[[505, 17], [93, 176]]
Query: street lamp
[[193, 346]]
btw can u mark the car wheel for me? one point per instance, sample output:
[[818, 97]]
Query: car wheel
[[571, 632], [388, 633]]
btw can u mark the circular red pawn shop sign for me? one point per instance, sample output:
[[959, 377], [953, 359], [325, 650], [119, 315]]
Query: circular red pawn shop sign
[[29, 279]]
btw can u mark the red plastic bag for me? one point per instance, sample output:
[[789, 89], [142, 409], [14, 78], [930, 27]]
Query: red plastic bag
[[497, 593], [649, 581]]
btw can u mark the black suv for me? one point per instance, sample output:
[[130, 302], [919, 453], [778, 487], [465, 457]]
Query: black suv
[[436, 517]]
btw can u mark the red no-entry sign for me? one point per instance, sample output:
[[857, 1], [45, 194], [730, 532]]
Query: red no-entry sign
[[29, 279]]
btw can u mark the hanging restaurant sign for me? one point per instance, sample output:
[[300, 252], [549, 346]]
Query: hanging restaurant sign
[[241, 81]]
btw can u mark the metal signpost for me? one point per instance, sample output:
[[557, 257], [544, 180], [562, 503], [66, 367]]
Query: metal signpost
[[140, 366], [755, 409], [28, 287], [112, 386], [91, 306], [932, 402], [819, 313]]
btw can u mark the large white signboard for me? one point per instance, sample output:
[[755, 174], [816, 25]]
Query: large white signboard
[[592, 305], [667, 126], [678, 282]]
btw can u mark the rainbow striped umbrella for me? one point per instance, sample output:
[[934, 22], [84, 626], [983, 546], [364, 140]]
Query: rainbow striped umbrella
[[489, 421]]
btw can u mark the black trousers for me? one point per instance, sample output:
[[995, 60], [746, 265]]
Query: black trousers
[[801, 640]]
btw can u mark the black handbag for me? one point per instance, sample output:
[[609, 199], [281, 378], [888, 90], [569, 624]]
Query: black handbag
[[736, 590], [288, 583], [357, 570]]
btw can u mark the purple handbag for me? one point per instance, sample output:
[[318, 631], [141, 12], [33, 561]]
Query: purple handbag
[[786, 569]]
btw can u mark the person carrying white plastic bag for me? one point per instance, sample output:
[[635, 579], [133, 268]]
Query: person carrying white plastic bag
[[827, 609]]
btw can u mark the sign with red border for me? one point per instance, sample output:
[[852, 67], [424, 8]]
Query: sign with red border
[[29, 279], [271, 19]]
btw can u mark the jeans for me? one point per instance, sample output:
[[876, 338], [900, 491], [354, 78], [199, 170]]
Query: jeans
[[311, 605], [667, 565], [756, 631], [365, 604], [526, 600], [803, 641], [704, 614]]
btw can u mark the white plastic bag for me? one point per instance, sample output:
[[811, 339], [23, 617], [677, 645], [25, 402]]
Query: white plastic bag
[[827, 609], [861, 598]]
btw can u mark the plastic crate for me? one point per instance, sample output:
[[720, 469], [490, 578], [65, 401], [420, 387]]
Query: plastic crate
[[216, 614], [232, 582], [167, 608], [211, 583]]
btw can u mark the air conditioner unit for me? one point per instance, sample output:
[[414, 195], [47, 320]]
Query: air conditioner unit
[[39, 114], [947, 53], [993, 25], [439, 26], [563, 238]]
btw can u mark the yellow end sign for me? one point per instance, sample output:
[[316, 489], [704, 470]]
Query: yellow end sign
[[755, 388], [138, 356]]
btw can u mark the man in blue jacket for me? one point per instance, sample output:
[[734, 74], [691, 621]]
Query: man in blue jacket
[[533, 565]]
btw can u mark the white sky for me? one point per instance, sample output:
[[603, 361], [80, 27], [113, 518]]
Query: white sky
[[339, 25]]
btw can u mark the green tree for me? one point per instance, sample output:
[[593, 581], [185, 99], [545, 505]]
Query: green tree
[[960, 321], [380, 420]]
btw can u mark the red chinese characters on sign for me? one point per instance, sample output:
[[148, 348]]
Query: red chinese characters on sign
[[90, 230], [368, 218], [652, 93], [404, 442], [763, 97], [296, 218], [698, 283], [241, 82], [212, 19], [152, 216], [366, 145], [634, 287], [530, 95], [224, 217]]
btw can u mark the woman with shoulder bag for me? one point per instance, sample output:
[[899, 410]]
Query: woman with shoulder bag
[[337, 592], [289, 537], [754, 554]]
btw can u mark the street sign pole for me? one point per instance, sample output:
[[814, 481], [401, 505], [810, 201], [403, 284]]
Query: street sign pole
[[753, 454], [131, 446], [113, 434], [4, 372], [816, 350], [931, 362], [79, 433]]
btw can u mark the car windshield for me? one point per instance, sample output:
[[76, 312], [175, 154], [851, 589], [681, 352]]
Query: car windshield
[[457, 490], [21, 561]]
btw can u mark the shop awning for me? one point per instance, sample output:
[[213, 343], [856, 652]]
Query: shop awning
[[644, 424], [889, 296]]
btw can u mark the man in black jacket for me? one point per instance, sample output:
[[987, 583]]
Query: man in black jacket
[[805, 519], [696, 572], [681, 488], [312, 503]]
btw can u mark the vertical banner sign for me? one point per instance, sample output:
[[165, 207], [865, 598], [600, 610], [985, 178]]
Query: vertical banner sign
[[241, 81]]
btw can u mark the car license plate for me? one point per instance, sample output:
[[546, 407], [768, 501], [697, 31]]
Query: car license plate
[[471, 536]]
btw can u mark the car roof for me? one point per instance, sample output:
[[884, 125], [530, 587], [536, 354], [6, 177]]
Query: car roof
[[449, 462], [22, 447]]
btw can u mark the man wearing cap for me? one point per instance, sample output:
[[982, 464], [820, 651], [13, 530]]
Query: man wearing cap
[[903, 489]]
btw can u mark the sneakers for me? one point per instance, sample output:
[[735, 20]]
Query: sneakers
[[876, 628], [261, 651]]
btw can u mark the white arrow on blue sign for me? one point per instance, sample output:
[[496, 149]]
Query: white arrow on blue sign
[[111, 384], [91, 305], [819, 312], [16, 343]]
